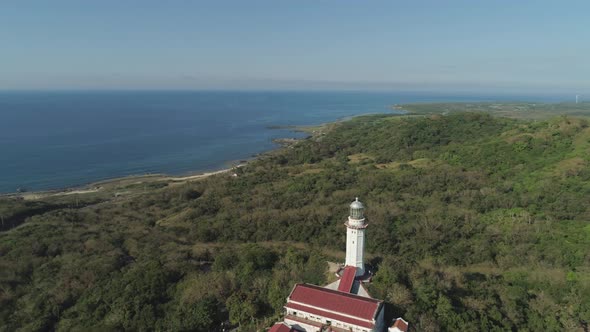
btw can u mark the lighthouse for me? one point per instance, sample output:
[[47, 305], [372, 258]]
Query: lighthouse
[[344, 304], [355, 237]]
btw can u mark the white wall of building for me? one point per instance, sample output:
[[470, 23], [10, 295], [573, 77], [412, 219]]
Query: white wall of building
[[322, 320]]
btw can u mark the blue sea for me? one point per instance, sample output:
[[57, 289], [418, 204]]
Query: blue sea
[[53, 140]]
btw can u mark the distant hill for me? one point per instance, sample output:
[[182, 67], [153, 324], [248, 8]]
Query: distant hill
[[477, 222]]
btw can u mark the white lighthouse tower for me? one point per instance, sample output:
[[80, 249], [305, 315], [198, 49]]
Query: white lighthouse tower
[[355, 237]]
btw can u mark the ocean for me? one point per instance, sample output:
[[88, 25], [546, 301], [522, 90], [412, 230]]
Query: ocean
[[54, 140]]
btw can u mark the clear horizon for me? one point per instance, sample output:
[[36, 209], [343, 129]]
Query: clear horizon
[[456, 47]]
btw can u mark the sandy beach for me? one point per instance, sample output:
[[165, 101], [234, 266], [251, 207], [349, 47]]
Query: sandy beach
[[112, 183]]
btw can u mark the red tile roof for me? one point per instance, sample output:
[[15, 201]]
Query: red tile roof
[[401, 324], [280, 327], [347, 279], [333, 304]]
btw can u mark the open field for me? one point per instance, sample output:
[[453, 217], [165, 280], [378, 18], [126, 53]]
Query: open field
[[515, 110]]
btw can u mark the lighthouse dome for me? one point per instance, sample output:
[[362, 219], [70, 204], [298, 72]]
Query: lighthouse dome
[[357, 209]]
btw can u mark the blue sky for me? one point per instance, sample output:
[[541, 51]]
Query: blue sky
[[340, 44]]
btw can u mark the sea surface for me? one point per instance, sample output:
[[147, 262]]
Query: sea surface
[[53, 140]]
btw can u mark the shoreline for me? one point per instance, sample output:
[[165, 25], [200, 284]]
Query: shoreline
[[99, 186], [104, 185]]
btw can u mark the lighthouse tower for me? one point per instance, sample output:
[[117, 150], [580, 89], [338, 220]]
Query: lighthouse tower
[[355, 237]]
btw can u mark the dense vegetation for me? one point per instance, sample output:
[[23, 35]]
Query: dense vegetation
[[476, 223]]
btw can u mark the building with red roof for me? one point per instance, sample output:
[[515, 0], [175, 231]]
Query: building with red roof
[[344, 305], [399, 325], [310, 307], [281, 327]]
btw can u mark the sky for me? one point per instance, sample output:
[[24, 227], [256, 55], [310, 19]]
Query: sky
[[305, 44]]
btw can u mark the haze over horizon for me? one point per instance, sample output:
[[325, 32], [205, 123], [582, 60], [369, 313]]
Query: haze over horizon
[[376, 45]]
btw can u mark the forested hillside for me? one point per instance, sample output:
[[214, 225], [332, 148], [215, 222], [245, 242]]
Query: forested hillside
[[475, 223]]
